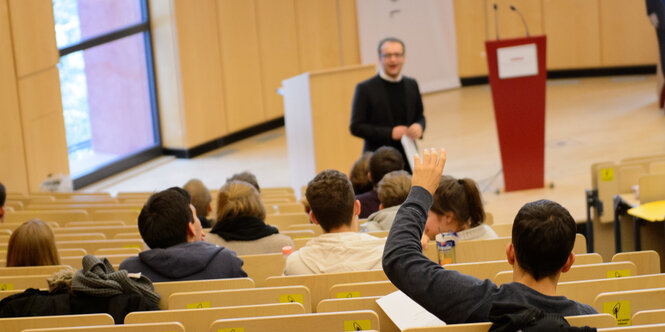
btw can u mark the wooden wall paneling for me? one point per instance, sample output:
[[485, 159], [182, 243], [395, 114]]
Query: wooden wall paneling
[[202, 89], [33, 30], [43, 126], [470, 29], [167, 76], [318, 34], [573, 33], [627, 36], [240, 62], [348, 30], [13, 172], [278, 50]]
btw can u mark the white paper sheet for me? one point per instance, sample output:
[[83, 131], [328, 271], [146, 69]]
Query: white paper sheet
[[410, 148], [517, 61], [405, 312]]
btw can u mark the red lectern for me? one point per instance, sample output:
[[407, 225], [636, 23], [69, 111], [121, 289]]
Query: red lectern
[[517, 75]]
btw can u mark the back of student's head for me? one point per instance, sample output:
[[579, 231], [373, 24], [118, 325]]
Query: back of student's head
[[384, 160], [358, 175], [462, 198], [331, 199], [32, 244], [394, 188], [247, 177], [200, 196], [239, 198], [164, 218], [543, 237]]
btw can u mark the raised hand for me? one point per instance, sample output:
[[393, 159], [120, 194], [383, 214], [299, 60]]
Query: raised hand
[[427, 173]]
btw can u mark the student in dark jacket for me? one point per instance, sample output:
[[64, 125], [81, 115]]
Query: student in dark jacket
[[541, 249], [169, 226]]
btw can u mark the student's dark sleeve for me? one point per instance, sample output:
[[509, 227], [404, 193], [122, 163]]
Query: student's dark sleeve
[[361, 117], [420, 111], [234, 264], [449, 295]]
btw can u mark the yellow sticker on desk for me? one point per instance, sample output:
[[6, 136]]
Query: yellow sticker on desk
[[607, 174], [132, 246], [357, 325], [199, 305], [620, 310], [346, 295], [292, 298], [618, 273], [234, 329], [6, 287]]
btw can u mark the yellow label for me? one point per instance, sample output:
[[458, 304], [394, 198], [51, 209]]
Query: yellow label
[[618, 273], [607, 174], [234, 329], [6, 287], [357, 325], [620, 310], [346, 295], [199, 305], [132, 246], [292, 298]]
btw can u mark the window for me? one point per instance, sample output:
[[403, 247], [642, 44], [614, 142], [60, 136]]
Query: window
[[107, 85]]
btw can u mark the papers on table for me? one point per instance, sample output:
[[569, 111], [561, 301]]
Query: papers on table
[[406, 313]]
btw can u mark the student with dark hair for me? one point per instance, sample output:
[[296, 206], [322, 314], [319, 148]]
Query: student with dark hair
[[384, 160], [169, 226], [341, 248], [457, 207], [201, 199], [247, 177], [3, 197], [541, 249], [358, 174], [392, 191], [388, 105]]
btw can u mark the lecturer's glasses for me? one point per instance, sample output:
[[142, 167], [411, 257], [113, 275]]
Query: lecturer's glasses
[[392, 55]]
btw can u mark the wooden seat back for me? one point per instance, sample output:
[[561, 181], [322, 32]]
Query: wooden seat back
[[585, 291], [246, 296], [261, 267], [22, 323], [583, 272], [322, 322], [165, 289], [361, 289], [148, 327], [623, 304], [646, 261], [359, 303]]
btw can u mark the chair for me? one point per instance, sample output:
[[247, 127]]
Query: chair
[[585, 291], [503, 230], [6, 293], [79, 236], [284, 208], [94, 223], [322, 322], [201, 319], [300, 242], [640, 328], [624, 304], [361, 289], [495, 249], [93, 245], [23, 282], [72, 252], [296, 234], [583, 272], [150, 327], [31, 270], [116, 251], [319, 284], [109, 231], [645, 317], [469, 327], [128, 215], [22, 323], [647, 261], [358, 303], [598, 320], [134, 235], [246, 296], [260, 267], [165, 289], [47, 215], [314, 228], [379, 233], [284, 220]]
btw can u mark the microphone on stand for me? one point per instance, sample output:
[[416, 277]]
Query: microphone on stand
[[496, 21], [522, 17]]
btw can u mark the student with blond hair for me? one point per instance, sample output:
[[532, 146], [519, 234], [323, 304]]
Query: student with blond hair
[[32, 244], [240, 224], [392, 191]]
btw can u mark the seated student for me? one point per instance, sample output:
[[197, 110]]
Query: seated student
[[247, 177], [383, 161], [169, 226], [201, 200], [32, 244], [3, 197], [358, 174], [240, 225], [541, 249], [392, 190], [457, 207], [341, 248]]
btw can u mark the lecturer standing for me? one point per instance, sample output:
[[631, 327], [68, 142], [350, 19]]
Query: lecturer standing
[[388, 105]]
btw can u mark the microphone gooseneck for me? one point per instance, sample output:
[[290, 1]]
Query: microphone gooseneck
[[526, 28]]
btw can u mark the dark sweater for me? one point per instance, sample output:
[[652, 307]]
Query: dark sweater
[[450, 295], [186, 261]]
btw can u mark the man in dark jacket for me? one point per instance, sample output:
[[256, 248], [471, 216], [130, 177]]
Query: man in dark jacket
[[541, 249], [169, 226]]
